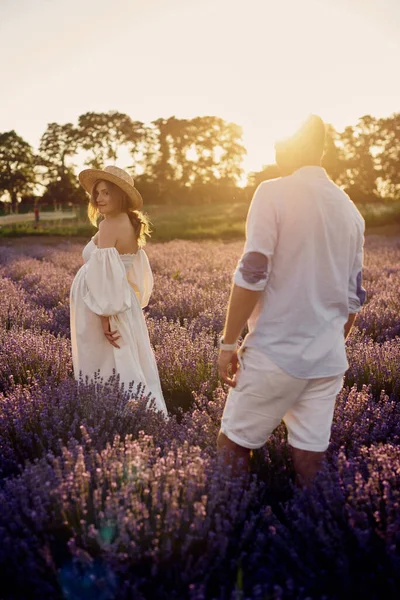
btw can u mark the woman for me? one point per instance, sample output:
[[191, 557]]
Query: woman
[[108, 329]]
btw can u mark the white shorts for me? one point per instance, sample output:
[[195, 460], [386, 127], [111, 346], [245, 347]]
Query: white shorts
[[264, 395]]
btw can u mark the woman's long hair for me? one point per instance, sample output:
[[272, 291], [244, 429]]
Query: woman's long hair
[[140, 221]]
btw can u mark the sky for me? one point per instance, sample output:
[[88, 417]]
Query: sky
[[263, 64]]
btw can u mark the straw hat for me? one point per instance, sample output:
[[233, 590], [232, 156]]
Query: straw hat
[[121, 178]]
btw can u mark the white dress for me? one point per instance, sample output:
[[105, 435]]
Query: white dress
[[117, 286]]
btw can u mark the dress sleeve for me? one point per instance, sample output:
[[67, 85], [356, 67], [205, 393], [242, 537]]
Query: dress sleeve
[[141, 278], [108, 292]]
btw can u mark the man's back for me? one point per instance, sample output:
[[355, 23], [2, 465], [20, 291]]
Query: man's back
[[298, 286], [313, 236]]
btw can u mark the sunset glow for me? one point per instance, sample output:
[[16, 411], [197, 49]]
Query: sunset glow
[[264, 65]]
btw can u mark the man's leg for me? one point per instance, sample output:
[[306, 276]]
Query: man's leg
[[309, 423], [306, 465], [255, 407], [236, 456]]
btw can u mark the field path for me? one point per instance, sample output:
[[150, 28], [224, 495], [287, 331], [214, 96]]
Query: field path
[[30, 217]]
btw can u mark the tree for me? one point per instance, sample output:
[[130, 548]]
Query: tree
[[333, 159], [217, 151], [57, 144], [360, 145], [160, 149], [64, 191], [268, 172], [27, 203], [389, 157], [196, 151], [17, 167], [104, 135]]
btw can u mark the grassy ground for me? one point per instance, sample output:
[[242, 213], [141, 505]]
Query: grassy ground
[[168, 223], [24, 218], [218, 222]]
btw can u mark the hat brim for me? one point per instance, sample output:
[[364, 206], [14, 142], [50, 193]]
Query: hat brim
[[89, 177]]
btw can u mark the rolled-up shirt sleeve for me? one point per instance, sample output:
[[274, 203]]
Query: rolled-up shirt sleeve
[[357, 293], [261, 236]]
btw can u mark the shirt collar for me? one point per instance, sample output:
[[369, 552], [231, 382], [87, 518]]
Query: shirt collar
[[310, 171]]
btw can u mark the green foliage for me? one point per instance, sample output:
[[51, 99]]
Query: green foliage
[[64, 191], [380, 214], [267, 173], [17, 174], [223, 222], [103, 134], [389, 158], [57, 144], [195, 151]]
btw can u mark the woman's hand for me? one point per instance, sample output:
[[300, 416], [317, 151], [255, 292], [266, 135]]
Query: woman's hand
[[111, 336]]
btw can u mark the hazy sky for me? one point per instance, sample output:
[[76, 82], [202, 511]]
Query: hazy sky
[[263, 64]]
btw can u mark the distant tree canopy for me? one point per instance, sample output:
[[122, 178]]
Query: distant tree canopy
[[104, 134], [58, 143], [17, 167], [267, 173], [196, 151], [185, 161]]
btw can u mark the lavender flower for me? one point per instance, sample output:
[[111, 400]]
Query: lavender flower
[[101, 497]]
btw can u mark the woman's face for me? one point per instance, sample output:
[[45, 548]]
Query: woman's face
[[107, 202]]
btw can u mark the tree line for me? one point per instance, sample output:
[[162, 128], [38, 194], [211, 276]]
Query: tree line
[[185, 161]]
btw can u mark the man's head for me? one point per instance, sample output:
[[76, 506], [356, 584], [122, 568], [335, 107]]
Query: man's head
[[304, 148]]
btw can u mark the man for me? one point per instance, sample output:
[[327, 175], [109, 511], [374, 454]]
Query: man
[[298, 285]]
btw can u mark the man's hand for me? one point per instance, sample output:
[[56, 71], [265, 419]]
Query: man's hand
[[111, 336], [228, 359], [241, 305]]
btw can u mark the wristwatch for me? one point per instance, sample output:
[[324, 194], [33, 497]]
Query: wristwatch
[[226, 347]]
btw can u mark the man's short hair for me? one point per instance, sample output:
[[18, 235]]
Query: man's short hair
[[305, 146]]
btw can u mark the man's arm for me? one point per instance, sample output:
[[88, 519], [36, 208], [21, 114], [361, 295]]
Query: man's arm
[[357, 294], [349, 324], [250, 278], [242, 302], [248, 286]]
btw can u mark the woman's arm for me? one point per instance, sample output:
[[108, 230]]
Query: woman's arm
[[107, 238], [111, 336]]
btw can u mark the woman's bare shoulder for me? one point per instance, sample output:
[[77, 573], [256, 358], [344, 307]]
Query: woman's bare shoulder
[[107, 234], [127, 238]]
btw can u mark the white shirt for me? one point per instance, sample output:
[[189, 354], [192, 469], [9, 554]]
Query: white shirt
[[313, 236]]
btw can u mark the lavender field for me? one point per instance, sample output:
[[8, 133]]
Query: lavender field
[[103, 499]]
